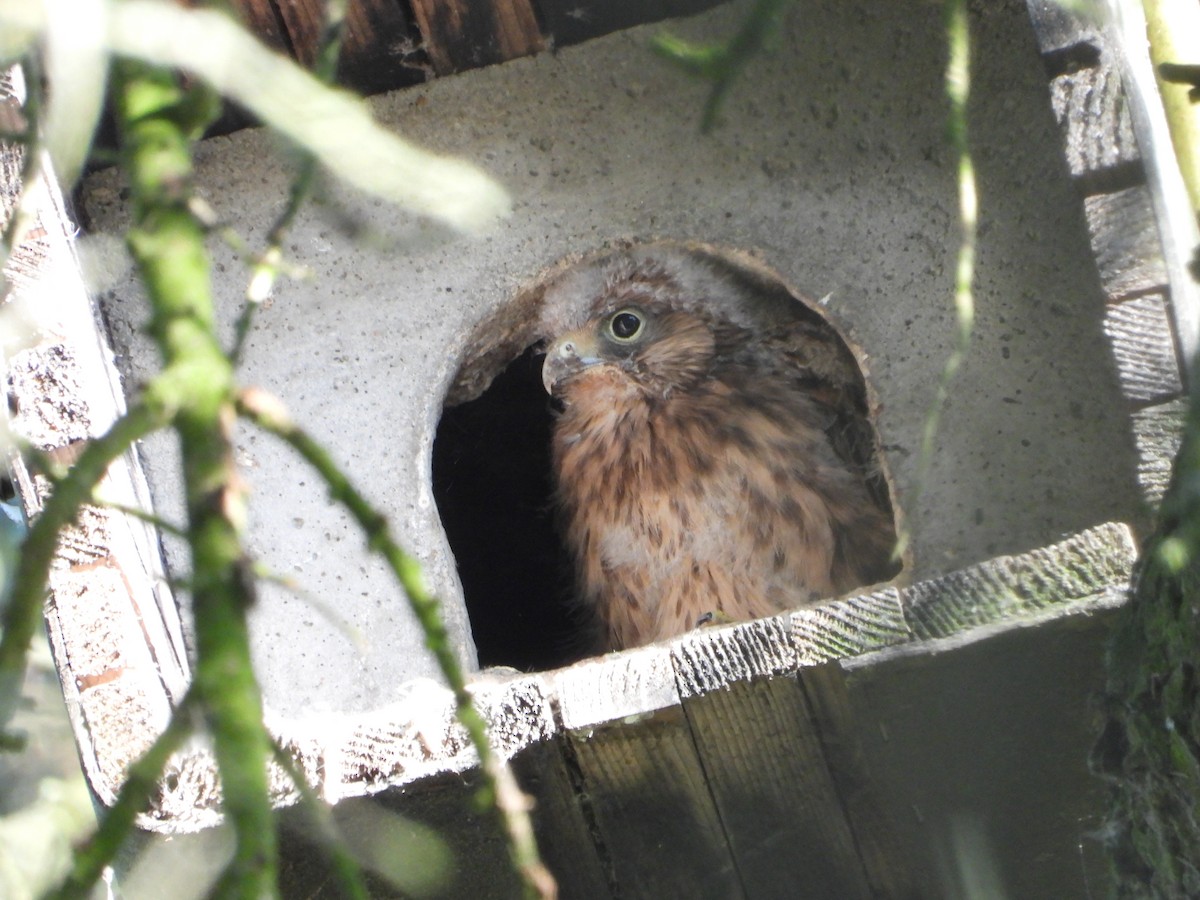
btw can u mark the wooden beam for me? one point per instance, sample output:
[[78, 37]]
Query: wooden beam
[[464, 34]]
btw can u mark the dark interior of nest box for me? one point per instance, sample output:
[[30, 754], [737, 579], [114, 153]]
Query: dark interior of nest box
[[493, 485]]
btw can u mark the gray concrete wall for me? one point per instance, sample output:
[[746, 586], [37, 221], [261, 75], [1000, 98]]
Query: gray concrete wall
[[831, 163]]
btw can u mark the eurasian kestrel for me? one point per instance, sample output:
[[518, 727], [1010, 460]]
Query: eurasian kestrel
[[706, 467]]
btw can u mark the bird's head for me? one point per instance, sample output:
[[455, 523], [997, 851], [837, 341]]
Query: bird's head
[[656, 347]]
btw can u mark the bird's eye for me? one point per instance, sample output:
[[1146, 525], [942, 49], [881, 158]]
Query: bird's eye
[[626, 325]]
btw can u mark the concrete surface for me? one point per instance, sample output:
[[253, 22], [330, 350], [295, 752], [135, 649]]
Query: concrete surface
[[831, 162]]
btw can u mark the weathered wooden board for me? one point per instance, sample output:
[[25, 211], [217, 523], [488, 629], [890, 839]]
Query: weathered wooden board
[[1143, 346], [1125, 241], [1008, 586], [1158, 431], [886, 867], [723, 765], [461, 35], [645, 784], [1151, 322], [1094, 116], [565, 826], [976, 747], [761, 752]]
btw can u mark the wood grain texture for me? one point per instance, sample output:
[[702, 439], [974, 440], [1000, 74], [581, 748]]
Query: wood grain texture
[[1082, 566], [419, 736], [461, 35], [849, 627], [632, 746], [304, 21], [1093, 114], [975, 747], [1124, 237], [261, 18], [884, 864], [562, 821], [779, 809], [706, 660], [1158, 432], [1143, 345], [656, 819], [764, 764]]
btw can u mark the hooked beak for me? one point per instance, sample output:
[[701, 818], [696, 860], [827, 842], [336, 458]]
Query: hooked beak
[[571, 353]]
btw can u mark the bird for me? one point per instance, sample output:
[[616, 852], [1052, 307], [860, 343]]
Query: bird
[[709, 463]]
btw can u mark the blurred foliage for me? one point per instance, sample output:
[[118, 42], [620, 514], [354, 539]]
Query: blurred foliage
[[1149, 750], [134, 49]]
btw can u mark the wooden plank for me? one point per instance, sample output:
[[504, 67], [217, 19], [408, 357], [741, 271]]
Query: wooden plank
[[461, 34], [1125, 241], [977, 749], [304, 21], [1058, 29], [1081, 566], [849, 627], [380, 44], [1143, 345], [260, 17], [764, 763], [646, 788], [381, 48], [418, 736], [564, 831], [711, 659], [779, 809], [1093, 113], [884, 863], [1158, 432]]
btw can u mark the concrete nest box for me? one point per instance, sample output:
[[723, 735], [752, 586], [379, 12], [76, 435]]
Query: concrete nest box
[[491, 457], [852, 748]]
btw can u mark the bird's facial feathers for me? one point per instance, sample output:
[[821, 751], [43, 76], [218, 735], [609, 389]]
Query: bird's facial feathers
[[657, 349]]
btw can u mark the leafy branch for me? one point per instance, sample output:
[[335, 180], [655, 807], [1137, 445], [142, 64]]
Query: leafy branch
[[723, 63], [269, 414], [196, 391], [958, 93]]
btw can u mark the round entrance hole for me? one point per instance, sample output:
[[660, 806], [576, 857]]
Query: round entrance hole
[[492, 476]]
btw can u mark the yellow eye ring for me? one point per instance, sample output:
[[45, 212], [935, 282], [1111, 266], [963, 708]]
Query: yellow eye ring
[[626, 325]]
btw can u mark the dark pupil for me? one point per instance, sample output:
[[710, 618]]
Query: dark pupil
[[625, 325]]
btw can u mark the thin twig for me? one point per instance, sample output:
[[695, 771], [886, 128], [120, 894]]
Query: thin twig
[[958, 90], [159, 120], [141, 782], [22, 616], [136, 512], [723, 63], [345, 867], [266, 267], [269, 414]]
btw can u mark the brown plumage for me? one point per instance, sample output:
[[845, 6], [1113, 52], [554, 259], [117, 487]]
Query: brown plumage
[[706, 467]]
